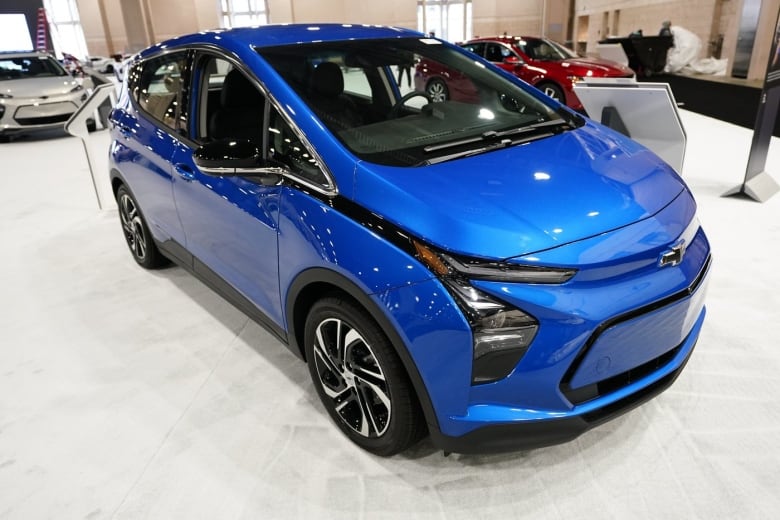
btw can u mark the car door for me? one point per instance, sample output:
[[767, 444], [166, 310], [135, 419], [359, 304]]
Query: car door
[[230, 222], [148, 132]]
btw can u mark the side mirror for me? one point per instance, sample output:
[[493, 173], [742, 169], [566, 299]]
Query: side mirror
[[513, 60], [230, 157]]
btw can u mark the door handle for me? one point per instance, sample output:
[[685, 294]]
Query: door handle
[[184, 171]]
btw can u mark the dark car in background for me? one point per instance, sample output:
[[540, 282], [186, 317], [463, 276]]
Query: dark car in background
[[545, 64]]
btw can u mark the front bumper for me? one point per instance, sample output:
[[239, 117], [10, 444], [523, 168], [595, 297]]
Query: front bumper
[[547, 429], [31, 114]]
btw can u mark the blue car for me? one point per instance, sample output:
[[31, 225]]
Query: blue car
[[497, 272]]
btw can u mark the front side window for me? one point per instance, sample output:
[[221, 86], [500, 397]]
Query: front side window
[[230, 106], [476, 109], [157, 87], [497, 53]]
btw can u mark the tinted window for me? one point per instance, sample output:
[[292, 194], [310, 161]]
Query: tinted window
[[476, 48], [229, 105], [157, 87], [497, 53], [479, 104]]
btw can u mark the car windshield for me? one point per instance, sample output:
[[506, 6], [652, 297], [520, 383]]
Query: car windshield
[[29, 67], [450, 105], [544, 50]]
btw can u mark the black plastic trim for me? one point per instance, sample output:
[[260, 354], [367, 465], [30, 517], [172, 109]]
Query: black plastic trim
[[175, 252]]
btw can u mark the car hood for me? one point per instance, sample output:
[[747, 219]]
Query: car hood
[[38, 87], [526, 198], [598, 67]]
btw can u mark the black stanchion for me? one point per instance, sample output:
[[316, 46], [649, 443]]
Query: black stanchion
[[758, 184]]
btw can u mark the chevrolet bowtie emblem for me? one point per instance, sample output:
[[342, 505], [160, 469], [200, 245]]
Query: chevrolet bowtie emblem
[[673, 256]]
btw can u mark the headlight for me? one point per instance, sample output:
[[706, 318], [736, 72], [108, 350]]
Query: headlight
[[5, 96], [501, 333], [77, 88]]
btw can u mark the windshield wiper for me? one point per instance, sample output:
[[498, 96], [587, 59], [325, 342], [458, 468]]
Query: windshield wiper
[[503, 143], [492, 135]]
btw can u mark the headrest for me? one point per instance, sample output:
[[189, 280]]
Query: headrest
[[327, 79], [237, 91]]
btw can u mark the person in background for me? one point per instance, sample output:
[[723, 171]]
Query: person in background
[[666, 28], [405, 67]]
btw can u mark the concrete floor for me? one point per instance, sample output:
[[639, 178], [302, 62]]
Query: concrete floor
[[133, 394]]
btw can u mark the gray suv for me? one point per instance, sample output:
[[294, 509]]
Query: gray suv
[[36, 93]]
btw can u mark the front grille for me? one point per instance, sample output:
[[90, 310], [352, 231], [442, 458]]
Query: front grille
[[607, 386], [60, 118]]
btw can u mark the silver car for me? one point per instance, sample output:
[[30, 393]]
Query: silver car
[[36, 93]]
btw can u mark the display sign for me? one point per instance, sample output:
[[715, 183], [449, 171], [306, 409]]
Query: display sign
[[14, 33], [645, 112]]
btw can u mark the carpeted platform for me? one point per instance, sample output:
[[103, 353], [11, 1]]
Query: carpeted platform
[[737, 104]]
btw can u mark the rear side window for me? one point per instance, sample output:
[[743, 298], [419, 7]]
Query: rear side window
[[157, 87]]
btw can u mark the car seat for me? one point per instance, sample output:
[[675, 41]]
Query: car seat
[[326, 96], [240, 114]]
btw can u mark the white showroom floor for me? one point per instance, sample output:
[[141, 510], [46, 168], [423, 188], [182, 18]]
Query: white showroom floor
[[133, 394]]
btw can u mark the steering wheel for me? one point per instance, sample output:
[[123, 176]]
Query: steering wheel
[[395, 111]]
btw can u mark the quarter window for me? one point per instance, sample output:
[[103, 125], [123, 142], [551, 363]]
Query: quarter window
[[286, 149]]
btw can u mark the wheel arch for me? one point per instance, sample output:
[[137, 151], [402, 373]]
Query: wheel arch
[[311, 285], [116, 181]]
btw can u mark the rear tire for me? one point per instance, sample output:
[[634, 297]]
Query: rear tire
[[360, 379], [437, 91], [136, 232]]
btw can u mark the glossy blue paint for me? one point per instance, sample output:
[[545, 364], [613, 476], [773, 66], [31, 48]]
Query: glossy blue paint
[[482, 414], [508, 203], [587, 199]]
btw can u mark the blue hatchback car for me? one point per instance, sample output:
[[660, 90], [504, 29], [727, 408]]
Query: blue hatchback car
[[498, 272]]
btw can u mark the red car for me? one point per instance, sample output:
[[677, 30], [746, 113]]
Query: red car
[[545, 64]]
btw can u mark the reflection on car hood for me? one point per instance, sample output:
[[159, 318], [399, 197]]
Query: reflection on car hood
[[526, 198], [38, 87], [598, 67]]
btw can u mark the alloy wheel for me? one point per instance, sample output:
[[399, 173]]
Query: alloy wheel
[[352, 378], [132, 225], [437, 91]]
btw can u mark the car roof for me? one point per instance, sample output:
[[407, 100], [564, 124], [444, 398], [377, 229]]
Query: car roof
[[287, 34], [23, 54], [504, 39]]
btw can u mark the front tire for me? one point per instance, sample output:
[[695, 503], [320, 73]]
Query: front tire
[[554, 91], [136, 232], [360, 379]]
